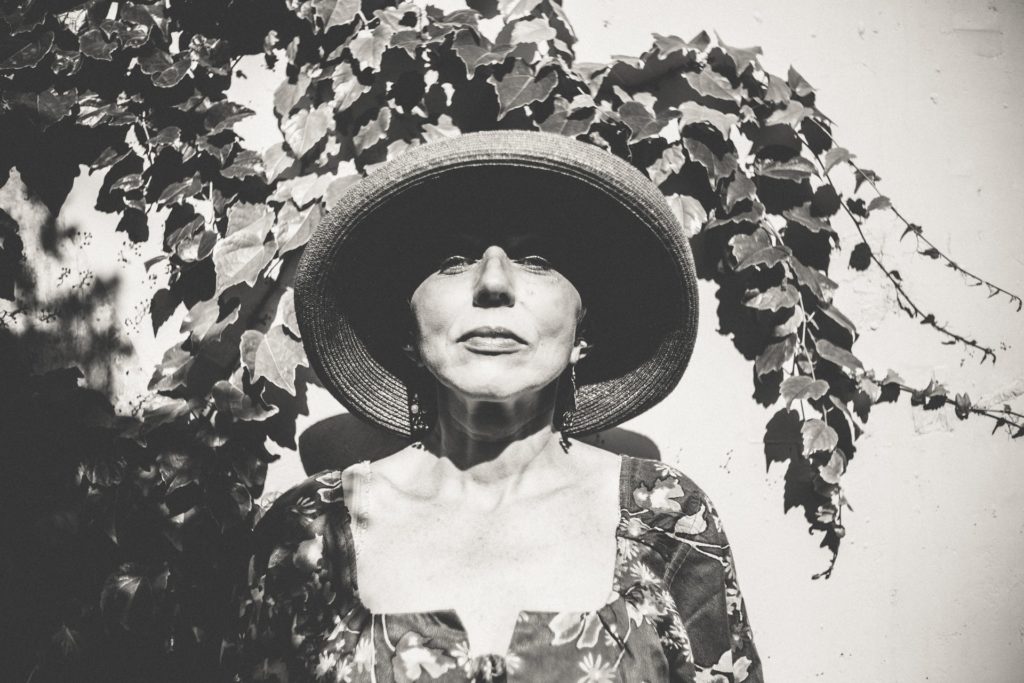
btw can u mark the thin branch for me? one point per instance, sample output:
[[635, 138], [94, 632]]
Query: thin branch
[[1005, 417], [917, 232], [903, 299]]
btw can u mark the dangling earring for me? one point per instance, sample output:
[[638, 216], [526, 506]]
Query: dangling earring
[[568, 413], [418, 423]]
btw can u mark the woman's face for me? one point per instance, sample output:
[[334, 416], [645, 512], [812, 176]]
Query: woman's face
[[496, 322]]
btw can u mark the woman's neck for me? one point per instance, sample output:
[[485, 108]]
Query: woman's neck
[[491, 450]]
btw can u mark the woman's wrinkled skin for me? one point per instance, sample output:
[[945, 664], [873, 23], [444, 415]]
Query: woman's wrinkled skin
[[496, 332]]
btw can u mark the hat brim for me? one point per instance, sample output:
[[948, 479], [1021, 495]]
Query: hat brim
[[621, 245]]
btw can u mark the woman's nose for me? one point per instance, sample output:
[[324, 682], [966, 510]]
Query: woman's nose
[[494, 284]]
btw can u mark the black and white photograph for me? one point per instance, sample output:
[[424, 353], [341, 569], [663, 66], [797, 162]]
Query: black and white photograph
[[494, 341]]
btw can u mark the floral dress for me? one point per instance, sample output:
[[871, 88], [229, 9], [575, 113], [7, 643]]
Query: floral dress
[[676, 613]]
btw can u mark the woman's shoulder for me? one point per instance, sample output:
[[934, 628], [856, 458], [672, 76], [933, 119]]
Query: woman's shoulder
[[665, 499], [300, 511]]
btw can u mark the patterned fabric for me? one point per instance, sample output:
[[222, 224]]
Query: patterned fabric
[[677, 612]]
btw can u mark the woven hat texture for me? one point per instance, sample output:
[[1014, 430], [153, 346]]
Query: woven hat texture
[[624, 250]]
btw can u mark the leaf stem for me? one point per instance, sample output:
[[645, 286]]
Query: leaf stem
[[903, 299]]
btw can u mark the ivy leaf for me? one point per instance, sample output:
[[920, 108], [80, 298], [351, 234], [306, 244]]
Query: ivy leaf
[[689, 212], [931, 397], [756, 249], [230, 397], [837, 155], [52, 106], [203, 321], [305, 129], [797, 169], [778, 90], [668, 164], [335, 12], [273, 355], [277, 161], [242, 255], [246, 163], [567, 121], [837, 355], [862, 175], [167, 136], [740, 188], [66, 62], [120, 592], [255, 218], [818, 437], [742, 57], [802, 215], [832, 471], [710, 84], [196, 246], [802, 388], [798, 84], [819, 285], [693, 113], [667, 45], [223, 115], [775, 356], [173, 74], [443, 129], [172, 372], [304, 189], [516, 9], [368, 46], [879, 202], [373, 131], [533, 31], [790, 325], [519, 88], [962, 405], [288, 94], [774, 299], [837, 316], [347, 88], [718, 167], [477, 51], [912, 228], [183, 189], [793, 115], [20, 53], [286, 312], [294, 228], [93, 43]]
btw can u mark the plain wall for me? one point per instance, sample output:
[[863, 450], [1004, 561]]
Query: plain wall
[[929, 583]]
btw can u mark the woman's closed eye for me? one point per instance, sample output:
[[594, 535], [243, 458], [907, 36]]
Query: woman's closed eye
[[535, 263], [457, 263]]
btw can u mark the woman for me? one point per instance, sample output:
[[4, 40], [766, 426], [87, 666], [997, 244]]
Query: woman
[[491, 297]]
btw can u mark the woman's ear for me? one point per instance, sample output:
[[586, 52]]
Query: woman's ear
[[579, 351]]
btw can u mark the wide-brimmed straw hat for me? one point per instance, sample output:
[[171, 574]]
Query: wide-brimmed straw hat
[[620, 244]]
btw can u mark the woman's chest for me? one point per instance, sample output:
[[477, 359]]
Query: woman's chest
[[556, 554]]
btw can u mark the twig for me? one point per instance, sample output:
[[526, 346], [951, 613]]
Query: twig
[[903, 299], [917, 232]]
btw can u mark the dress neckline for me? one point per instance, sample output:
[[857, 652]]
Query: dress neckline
[[450, 616]]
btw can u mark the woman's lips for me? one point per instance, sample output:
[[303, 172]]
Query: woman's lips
[[492, 341]]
